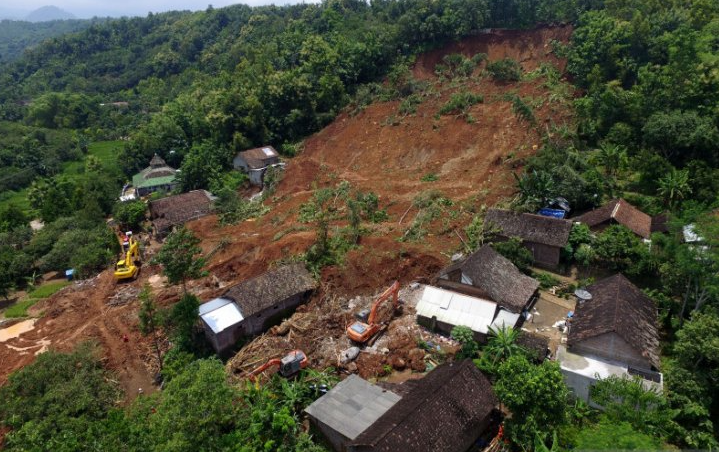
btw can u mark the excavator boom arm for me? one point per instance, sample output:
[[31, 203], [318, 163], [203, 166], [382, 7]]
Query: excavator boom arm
[[392, 291]]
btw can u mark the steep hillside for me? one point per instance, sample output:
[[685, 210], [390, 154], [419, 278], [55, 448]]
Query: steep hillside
[[374, 149]]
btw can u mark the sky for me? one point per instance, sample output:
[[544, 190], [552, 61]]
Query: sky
[[89, 8]]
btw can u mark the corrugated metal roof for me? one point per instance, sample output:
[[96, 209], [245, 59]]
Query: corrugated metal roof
[[220, 314], [506, 319], [352, 406], [456, 309]]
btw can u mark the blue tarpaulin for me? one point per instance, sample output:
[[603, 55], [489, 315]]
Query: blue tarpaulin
[[554, 213], [69, 274]]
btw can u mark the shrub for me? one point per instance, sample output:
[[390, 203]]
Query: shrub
[[506, 70], [429, 177], [460, 102], [408, 106], [515, 252]]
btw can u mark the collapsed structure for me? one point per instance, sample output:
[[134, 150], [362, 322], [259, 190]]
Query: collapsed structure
[[254, 305], [446, 411]]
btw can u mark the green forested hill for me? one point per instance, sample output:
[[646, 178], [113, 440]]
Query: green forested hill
[[16, 36]]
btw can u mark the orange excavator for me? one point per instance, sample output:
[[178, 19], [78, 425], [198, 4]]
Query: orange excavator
[[289, 365], [361, 332]]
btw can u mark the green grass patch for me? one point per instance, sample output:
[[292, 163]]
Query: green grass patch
[[105, 151], [18, 198], [48, 289], [429, 177], [20, 308]]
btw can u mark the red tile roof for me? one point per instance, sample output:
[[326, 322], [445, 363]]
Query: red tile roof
[[623, 213]]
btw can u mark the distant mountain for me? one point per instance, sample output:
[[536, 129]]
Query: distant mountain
[[16, 36], [47, 13]]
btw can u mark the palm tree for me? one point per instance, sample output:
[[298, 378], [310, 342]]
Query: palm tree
[[501, 344], [674, 186]]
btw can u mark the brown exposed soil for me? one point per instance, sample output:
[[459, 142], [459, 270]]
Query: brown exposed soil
[[378, 150]]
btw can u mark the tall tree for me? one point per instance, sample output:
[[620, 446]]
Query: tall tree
[[535, 395], [180, 257]]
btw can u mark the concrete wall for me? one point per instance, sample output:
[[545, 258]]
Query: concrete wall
[[612, 347], [334, 438], [263, 320], [579, 384], [240, 164], [226, 339]]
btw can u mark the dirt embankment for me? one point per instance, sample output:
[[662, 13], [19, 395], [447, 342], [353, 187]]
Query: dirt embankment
[[378, 149]]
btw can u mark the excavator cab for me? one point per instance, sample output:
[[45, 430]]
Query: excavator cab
[[289, 365], [292, 363], [367, 325]]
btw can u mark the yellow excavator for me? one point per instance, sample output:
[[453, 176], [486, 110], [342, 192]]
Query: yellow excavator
[[128, 268]]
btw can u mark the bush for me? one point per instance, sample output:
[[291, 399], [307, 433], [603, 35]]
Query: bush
[[460, 103], [130, 214], [465, 336], [515, 252], [506, 70], [232, 209]]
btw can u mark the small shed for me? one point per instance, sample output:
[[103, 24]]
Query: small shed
[[446, 411], [172, 211], [442, 310], [265, 299], [489, 275], [255, 162], [220, 319], [349, 409], [543, 236]]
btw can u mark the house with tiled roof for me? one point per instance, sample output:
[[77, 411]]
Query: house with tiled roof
[[446, 411], [255, 162], [543, 236], [166, 213], [488, 274], [613, 333], [619, 211], [259, 303], [156, 177]]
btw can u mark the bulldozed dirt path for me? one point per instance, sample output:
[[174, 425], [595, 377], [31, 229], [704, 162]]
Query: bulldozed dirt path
[[78, 313], [377, 149]]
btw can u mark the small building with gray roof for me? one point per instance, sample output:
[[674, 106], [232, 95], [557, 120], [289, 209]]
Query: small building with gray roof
[[349, 409]]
